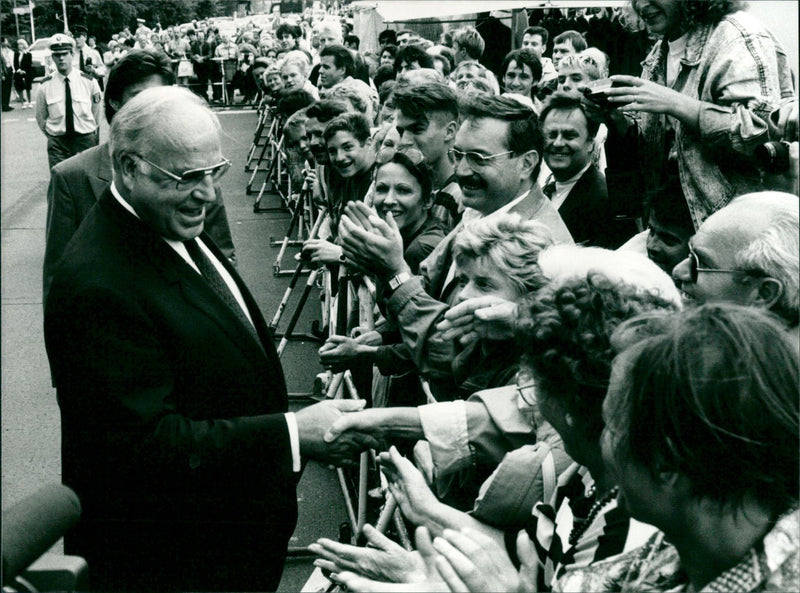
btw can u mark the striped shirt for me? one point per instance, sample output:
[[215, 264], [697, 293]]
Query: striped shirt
[[611, 533], [448, 204]]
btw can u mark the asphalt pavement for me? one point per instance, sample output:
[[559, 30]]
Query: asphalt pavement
[[30, 417]]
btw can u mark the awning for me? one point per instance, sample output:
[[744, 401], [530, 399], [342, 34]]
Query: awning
[[392, 11]]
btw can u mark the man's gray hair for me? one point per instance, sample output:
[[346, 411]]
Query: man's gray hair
[[775, 252], [151, 119]]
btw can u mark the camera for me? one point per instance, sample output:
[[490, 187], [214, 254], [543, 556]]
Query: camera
[[597, 92], [773, 157]]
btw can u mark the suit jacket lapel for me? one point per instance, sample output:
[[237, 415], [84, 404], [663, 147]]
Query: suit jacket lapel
[[193, 287]]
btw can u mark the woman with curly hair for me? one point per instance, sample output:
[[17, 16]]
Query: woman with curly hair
[[702, 438], [704, 98]]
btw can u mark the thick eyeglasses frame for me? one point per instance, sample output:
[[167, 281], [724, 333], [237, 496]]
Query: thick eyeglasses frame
[[475, 159], [695, 269], [191, 177]]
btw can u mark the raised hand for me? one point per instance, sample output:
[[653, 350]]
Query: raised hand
[[408, 486], [382, 559], [372, 243], [431, 581], [487, 317], [471, 561]]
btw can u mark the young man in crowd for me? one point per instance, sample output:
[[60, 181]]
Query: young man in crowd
[[568, 42], [426, 118]]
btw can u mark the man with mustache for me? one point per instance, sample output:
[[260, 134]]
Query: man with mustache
[[496, 155]]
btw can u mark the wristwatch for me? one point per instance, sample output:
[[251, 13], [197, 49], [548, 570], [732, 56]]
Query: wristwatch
[[396, 282]]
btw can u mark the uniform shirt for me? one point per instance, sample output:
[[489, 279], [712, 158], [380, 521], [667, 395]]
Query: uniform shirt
[[86, 103]]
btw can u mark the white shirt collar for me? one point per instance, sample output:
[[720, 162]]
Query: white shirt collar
[[176, 245]]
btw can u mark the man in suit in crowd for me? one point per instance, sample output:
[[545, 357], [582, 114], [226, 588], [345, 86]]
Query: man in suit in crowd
[[173, 403], [576, 187], [77, 183]]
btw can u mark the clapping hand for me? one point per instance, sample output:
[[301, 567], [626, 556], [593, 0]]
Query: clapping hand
[[372, 243]]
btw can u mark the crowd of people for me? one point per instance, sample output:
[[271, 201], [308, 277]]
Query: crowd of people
[[580, 356]]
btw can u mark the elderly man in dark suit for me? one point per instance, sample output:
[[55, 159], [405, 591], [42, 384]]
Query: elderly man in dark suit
[[576, 187], [78, 182], [173, 404]]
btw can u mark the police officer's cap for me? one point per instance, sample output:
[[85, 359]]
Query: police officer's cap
[[79, 30], [60, 43]]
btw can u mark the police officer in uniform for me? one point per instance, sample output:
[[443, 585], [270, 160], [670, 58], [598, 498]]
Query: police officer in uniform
[[68, 105]]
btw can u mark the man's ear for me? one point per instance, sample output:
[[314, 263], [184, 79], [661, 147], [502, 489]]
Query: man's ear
[[529, 161], [450, 131], [769, 291], [126, 167]]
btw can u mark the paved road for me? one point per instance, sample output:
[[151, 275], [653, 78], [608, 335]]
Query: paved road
[[30, 418]]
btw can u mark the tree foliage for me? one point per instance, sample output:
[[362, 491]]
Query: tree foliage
[[102, 18]]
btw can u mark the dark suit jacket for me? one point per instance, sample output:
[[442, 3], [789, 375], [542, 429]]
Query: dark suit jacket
[[75, 186], [588, 215], [173, 435]]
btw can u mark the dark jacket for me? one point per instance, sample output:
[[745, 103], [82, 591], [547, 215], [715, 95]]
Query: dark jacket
[[173, 434]]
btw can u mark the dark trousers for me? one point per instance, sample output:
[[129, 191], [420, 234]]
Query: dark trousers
[[60, 148], [7, 83]]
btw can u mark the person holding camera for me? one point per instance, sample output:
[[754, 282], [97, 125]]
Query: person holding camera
[[704, 98], [87, 59]]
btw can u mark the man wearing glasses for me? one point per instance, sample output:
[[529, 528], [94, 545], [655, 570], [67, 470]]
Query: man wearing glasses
[[173, 403], [77, 183], [747, 253], [496, 157]]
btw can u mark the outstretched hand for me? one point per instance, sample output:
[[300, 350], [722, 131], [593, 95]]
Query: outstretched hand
[[370, 242], [471, 561], [408, 486], [487, 317], [431, 582], [382, 559], [314, 421]]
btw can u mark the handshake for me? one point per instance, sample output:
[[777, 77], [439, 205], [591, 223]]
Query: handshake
[[337, 431]]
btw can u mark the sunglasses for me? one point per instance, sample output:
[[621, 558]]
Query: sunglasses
[[192, 177], [387, 155], [695, 269], [474, 159]]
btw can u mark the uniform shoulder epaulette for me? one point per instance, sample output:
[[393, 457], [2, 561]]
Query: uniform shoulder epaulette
[[43, 78]]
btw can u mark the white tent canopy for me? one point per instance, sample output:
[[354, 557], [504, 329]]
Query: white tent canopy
[[408, 10]]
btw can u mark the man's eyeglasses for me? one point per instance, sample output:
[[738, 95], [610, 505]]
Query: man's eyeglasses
[[192, 177], [386, 155], [474, 159], [695, 269]]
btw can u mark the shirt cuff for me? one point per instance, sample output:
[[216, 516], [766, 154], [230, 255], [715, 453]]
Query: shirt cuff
[[294, 441], [445, 428]]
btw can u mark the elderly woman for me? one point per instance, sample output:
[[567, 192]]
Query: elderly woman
[[704, 97], [702, 439], [564, 334]]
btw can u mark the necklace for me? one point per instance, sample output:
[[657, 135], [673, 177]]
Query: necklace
[[580, 526]]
